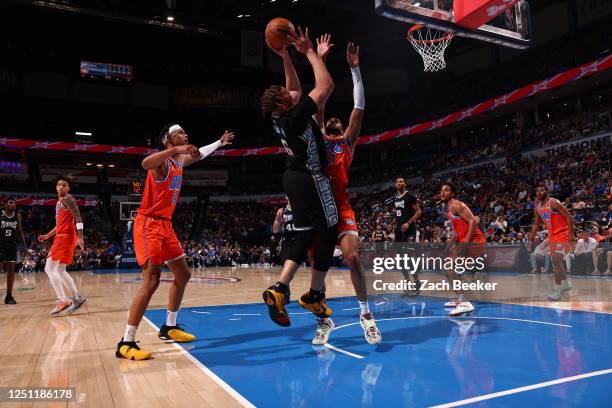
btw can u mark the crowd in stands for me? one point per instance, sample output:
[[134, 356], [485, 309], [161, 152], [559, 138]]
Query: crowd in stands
[[501, 196]]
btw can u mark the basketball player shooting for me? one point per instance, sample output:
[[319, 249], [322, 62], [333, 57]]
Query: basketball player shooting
[[155, 241], [340, 144], [308, 188]]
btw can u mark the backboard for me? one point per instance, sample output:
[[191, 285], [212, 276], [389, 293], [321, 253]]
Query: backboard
[[511, 28], [127, 210]]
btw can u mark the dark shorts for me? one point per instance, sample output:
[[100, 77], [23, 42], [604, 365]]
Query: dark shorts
[[406, 236], [285, 247], [8, 252], [312, 201]]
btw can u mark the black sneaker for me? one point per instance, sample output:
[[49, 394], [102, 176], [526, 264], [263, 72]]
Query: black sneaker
[[9, 300]]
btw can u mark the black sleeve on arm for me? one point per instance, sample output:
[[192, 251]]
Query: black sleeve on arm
[[299, 116]]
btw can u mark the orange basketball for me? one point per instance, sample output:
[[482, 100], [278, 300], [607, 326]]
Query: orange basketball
[[277, 32]]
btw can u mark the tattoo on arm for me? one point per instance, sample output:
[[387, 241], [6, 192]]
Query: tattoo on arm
[[73, 208]]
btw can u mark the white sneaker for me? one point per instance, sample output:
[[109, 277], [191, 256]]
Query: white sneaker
[[595, 273], [607, 273], [565, 285], [370, 330], [76, 303], [453, 303], [462, 308], [324, 328], [535, 271], [555, 293], [60, 305]]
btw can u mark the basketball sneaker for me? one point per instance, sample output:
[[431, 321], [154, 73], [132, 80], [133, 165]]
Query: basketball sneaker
[[276, 302], [555, 293], [9, 300], [130, 351], [565, 285], [175, 333], [462, 308], [370, 330], [324, 328], [60, 306], [315, 303], [76, 303]]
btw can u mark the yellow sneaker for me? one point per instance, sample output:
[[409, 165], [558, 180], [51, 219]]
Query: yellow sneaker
[[175, 333], [276, 302], [130, 351], [316, 305]]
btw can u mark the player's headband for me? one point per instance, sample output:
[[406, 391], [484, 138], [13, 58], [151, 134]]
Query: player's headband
[[171, 130]]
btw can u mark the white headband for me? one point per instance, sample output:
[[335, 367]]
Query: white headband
[[173, 128]]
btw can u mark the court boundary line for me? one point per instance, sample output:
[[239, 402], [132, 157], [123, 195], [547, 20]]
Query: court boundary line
[[339, 350], [225, 386], [523, 389]]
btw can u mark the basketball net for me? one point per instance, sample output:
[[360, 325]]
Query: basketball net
[[431, 44]]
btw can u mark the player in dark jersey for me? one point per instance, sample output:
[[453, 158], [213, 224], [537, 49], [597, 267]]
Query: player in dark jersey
[[407, 211], [379, 235], [10, 228], [283, 223], [315, 214]]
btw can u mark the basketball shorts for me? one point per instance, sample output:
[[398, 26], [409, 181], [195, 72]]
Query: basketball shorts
[[347, 224], [312, 201], [285, 247], [8, 252], [62, 249], [560, 243], [405, 236], [155, 241]]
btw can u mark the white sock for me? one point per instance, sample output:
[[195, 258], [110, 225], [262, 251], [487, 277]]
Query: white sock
[[364, 307], [130, 333], [68, 281], [54, 278], [171, 318]]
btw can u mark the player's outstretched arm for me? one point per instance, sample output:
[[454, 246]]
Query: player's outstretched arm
[[76, 214], [356, 120], [324, 84], [292, 81], [324, 46], [226, 139]]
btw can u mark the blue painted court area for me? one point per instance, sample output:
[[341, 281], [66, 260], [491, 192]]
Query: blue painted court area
[[425, 358]]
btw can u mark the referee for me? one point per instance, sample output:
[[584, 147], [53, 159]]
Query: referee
[[307, 187], [407, 212]]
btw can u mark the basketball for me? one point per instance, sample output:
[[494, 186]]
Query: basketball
[[277, 32]]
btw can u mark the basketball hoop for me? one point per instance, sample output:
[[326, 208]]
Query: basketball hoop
[[431, 44]]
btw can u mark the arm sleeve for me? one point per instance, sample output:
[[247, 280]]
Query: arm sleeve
[[209, 149], [358, 94]]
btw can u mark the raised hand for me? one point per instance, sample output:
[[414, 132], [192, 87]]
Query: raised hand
[[283, 52], [324, 45], [302, 43], [352, 55], [227, 138]]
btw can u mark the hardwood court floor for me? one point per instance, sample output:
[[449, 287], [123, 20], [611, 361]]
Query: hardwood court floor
[[37, 350]]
